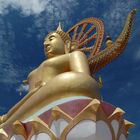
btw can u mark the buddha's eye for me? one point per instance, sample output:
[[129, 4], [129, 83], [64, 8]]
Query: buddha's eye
[[51, 38]]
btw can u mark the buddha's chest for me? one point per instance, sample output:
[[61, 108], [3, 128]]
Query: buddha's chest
[[48, 70], [54, 66]]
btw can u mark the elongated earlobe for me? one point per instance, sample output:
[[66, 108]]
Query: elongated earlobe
[[67, 46]]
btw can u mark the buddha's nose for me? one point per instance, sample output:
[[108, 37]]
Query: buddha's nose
[[46, 45]]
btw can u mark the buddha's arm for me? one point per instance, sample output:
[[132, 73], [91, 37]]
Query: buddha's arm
[[23, 100], [79, 63]]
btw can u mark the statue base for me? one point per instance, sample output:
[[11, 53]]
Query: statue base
[[77, 119]]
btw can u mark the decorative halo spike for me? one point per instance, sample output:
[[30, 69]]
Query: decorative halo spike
[[113, 49]]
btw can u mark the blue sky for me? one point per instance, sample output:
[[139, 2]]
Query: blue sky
[[23, 26]]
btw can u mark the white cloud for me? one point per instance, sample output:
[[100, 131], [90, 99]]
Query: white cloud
[[8, 71], [114, 19], [27, 7], [35, 7], [116, 15], [125, 89], [54, 12], [22, 89]]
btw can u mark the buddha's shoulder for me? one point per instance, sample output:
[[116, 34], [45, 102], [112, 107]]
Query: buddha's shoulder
[[54, 60]]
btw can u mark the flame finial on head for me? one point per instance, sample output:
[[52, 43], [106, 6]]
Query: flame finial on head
[[59, 27], [63, 35]]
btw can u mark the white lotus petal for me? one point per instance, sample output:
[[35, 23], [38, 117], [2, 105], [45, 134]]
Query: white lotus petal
[[41, 136], [122, 137], [103, 132], [115, 125], [17, 137], [58, 126], [85, 130]]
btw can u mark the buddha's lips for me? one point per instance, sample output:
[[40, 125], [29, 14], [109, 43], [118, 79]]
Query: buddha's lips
[[49, 53]]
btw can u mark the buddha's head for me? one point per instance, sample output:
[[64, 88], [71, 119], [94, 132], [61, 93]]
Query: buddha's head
[[56, 43]]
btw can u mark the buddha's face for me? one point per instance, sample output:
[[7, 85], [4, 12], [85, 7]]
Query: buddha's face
[[53, 45]]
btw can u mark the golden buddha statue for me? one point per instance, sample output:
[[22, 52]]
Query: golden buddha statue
[[62, 75], [66, 79]]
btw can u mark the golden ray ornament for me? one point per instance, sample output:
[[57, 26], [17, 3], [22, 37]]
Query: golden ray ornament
[[63, 101]]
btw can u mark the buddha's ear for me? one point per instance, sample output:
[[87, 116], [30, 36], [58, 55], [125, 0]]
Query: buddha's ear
[[68, 46]]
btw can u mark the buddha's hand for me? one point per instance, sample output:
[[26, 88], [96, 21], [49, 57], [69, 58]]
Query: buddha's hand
[[3, 118], [43, 84]]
